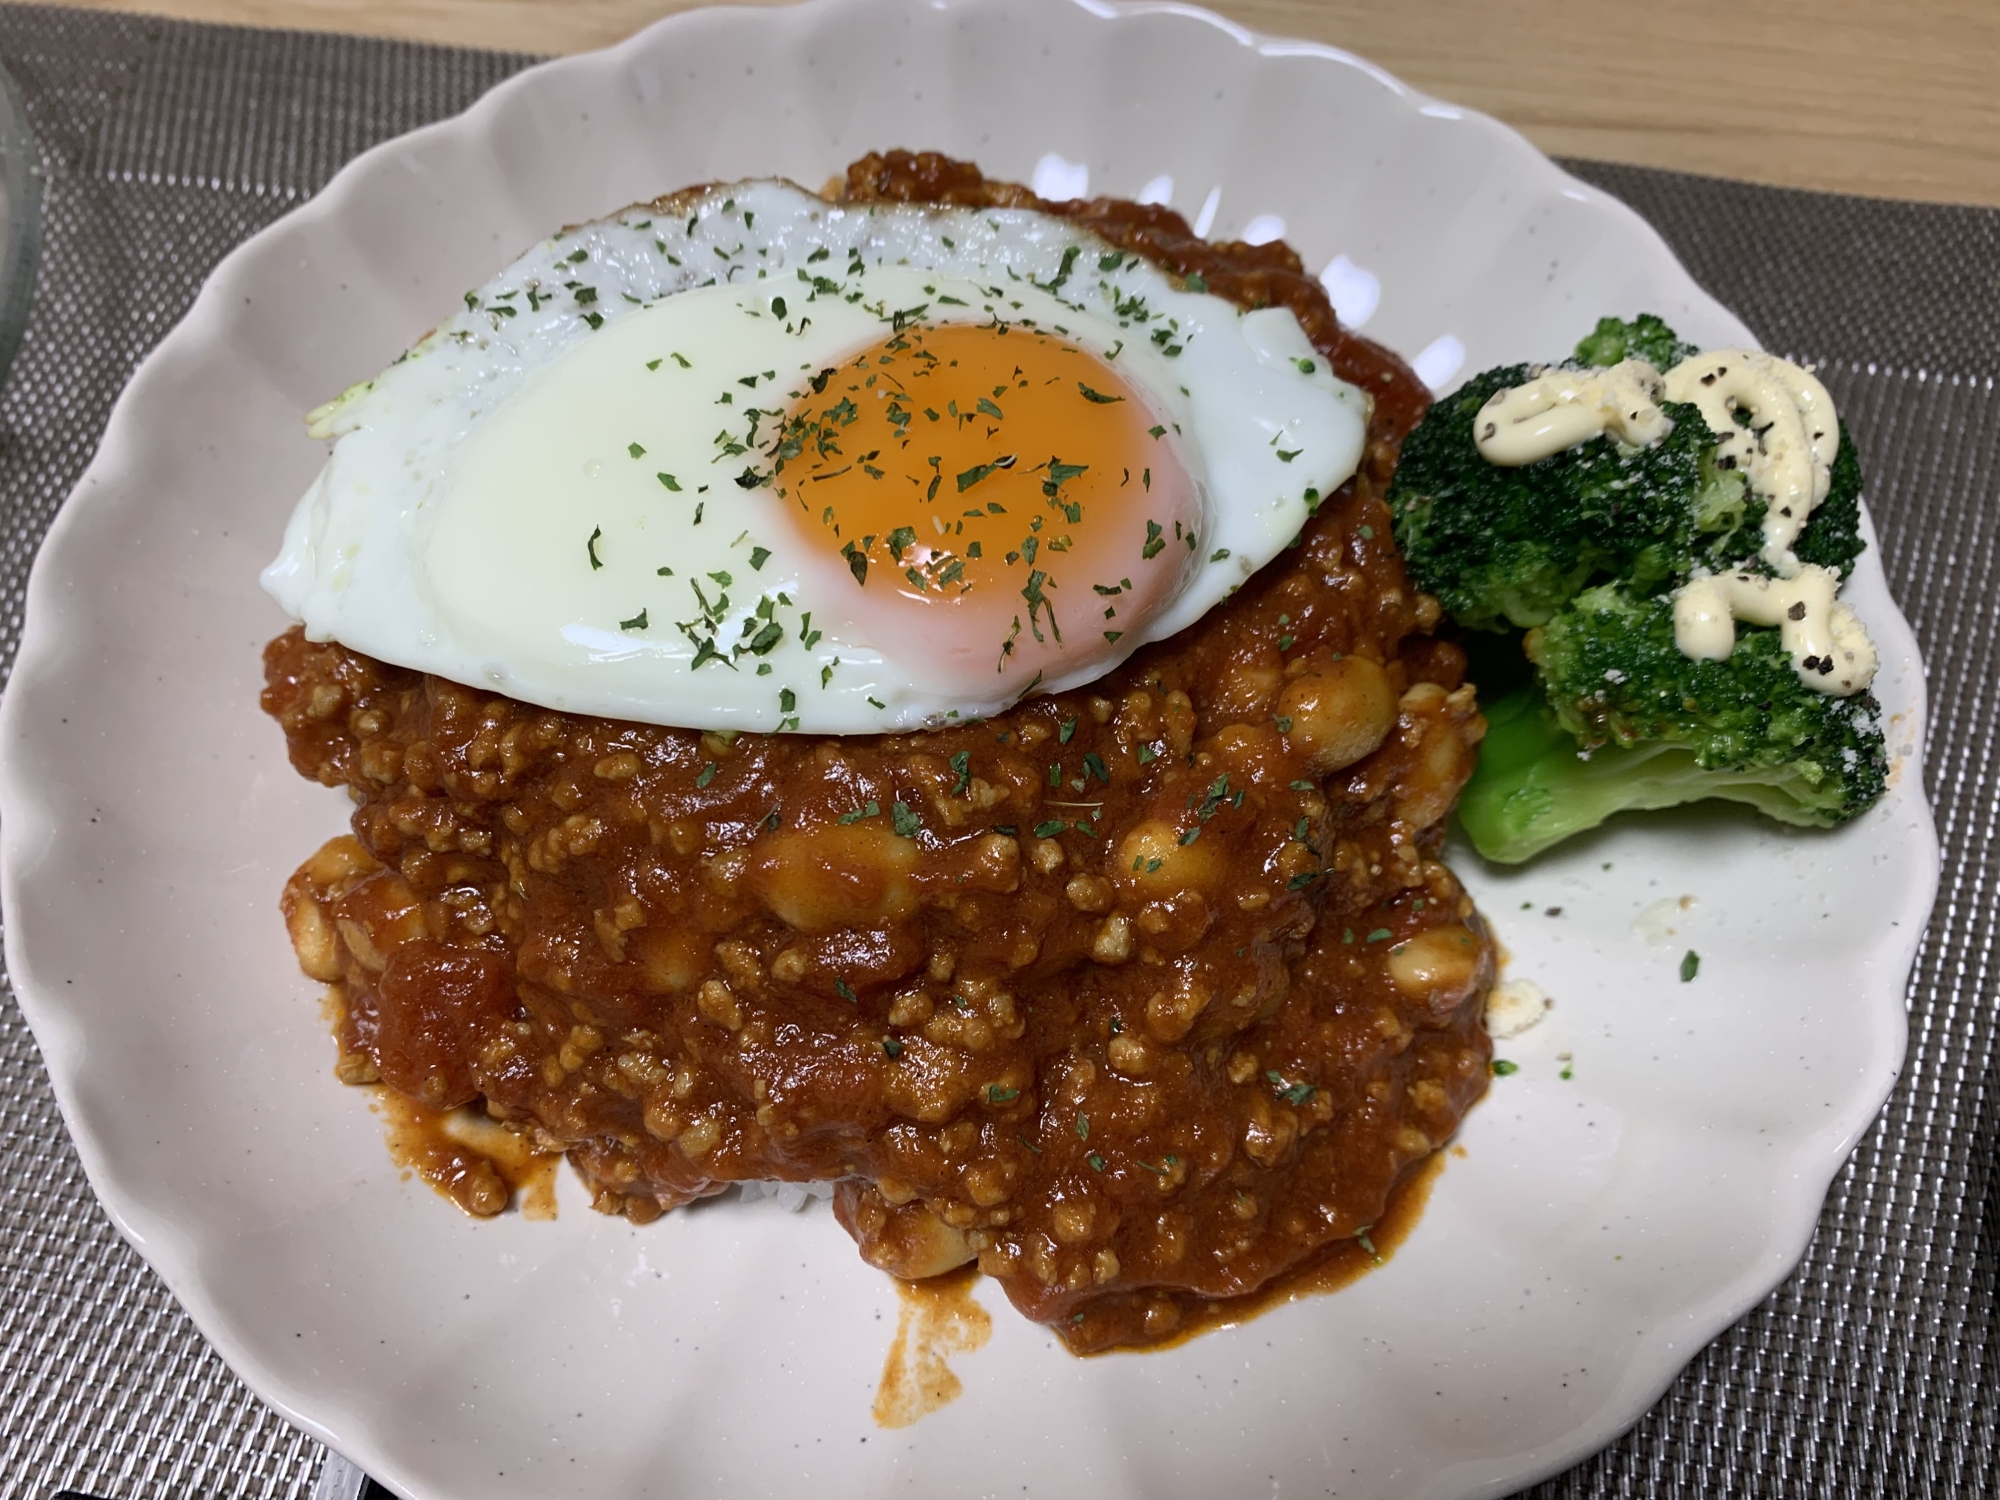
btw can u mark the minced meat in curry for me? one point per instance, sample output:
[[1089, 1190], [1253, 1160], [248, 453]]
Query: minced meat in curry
[[1139, 995]]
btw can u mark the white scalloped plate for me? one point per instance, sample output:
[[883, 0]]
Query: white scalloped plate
[[1598, 1230]]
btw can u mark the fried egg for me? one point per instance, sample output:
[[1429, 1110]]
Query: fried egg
[[775, 464]]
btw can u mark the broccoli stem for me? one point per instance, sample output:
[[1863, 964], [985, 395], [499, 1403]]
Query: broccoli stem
[[1533, 789]]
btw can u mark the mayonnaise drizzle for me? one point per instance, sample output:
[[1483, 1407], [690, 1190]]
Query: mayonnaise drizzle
[[1559, 409], [1787, 450], [1830, 649]]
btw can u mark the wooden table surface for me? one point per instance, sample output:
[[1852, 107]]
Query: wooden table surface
[[1893, 98]]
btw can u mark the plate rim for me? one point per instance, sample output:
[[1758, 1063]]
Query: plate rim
[[41, 655]]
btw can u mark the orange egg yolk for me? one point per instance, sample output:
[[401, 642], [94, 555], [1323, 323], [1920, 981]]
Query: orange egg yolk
[[1005, 492]]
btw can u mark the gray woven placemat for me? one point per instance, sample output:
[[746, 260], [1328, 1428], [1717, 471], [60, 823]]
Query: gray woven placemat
[[1872, 1372]]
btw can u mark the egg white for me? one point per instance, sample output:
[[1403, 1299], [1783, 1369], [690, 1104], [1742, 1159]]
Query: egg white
[[483, 516]]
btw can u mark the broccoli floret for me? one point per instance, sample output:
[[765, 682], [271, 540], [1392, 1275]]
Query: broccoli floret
[[1617, 717], [1502, 546], [1621, 719], [1732, 519], [1646, 337], [1832, 535], [1729, 519]]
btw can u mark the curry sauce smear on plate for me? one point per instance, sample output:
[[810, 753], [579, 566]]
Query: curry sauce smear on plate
[[1138, 996]]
